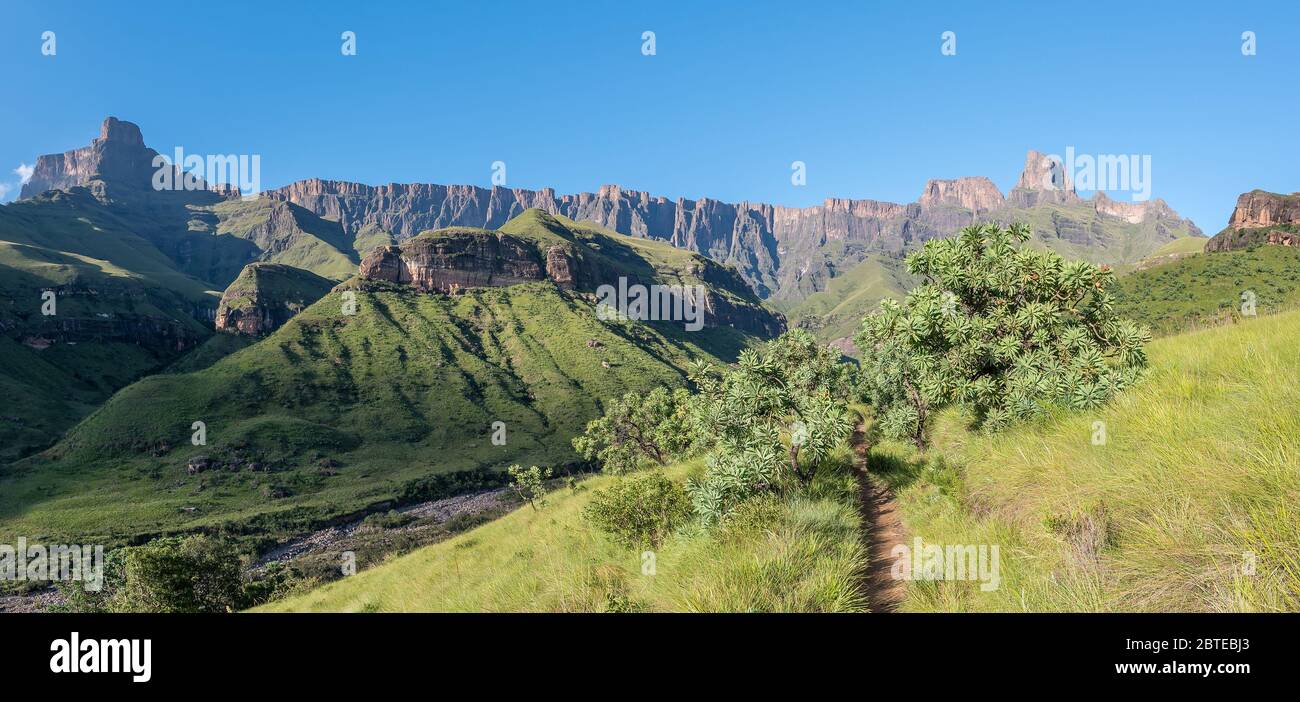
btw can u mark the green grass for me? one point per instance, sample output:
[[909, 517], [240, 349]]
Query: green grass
[[1205, 289], [803, 555], [1201, 466], [1183, 245], [407, 388], [289, 235]]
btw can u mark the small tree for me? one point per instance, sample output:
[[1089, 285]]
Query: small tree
[[1003, 329], [635, 427], [793, 385], [530, 484]]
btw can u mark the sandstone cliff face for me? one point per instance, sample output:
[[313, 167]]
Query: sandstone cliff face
[[265, 296], [975, 194], [458, 259], [782, 252], [1260, 218]]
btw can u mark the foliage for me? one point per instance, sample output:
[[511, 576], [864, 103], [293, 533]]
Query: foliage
[[1003, 329], [639, 510], [530, 484], [793, 385], [636, 427]]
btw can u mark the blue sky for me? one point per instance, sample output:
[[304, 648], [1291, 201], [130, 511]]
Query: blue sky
[[736, 91]]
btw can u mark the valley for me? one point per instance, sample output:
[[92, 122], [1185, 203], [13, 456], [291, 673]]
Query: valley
[[335, 368]]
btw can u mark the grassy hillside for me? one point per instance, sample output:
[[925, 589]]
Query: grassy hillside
[[1206, 289], [837, 311], [1198, 481], [800, 554], [407, 388], [285, 234], [137, 277], [1078, 232]]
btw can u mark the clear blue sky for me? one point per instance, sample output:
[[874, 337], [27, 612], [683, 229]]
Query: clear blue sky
[[737, 91]]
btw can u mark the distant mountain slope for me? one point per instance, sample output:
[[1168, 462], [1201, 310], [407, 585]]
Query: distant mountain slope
[[136, 274], [784, 253], [335, 412]]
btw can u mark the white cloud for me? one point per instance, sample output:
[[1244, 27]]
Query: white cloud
[[24, 173], [4, 191]]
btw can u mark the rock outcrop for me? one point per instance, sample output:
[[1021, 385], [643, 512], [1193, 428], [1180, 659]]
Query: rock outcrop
[[1260, 217], [1043, 180], [454, 259], [265, 296], [976, 194], [539, 247]]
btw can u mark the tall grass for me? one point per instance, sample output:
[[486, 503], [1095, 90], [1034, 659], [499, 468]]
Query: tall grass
[[1190, 504], [800, 553]]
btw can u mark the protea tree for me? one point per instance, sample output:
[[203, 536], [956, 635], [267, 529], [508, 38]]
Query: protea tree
[[1004, 329]]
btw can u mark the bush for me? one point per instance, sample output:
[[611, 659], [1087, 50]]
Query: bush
[[191, 574], [640, 510], [380, 521], [1003, 329]]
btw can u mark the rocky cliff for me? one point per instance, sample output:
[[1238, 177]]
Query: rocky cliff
[[537, 246], [265, 296], [975, 194], [782, 252], [1260, 217], [452, 259]]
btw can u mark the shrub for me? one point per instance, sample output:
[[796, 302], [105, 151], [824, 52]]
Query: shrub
[[1003, 329], [639, 510], [636, 427], [190, 574], [793, 386], [530, 484]]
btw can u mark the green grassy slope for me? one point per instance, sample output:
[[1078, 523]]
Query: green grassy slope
[[1206, 289], [801, 554], [134, 273], [275, 284], [286, 234], [407, 388], [122, 310], [1197, 481], [1090, 236], [837, 311]]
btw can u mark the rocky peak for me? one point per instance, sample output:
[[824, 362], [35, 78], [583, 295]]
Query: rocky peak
[[1132, 212], [1259, 208], [1042, 180], [118, 156], [125, 133], [973, 193]]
